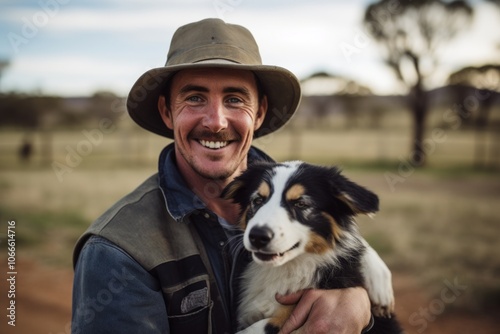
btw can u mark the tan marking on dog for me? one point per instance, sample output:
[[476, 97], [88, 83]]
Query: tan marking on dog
[[336, 229], [264, 189], [232, 189], [281, 315], [243, 222], [295, 192], [317, 244]]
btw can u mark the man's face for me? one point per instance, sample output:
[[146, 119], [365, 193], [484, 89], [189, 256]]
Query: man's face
[[213, 114]]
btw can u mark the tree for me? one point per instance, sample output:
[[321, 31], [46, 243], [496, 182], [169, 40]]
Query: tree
[[485, 80], [482, 77], [4, 63], [410, 33]]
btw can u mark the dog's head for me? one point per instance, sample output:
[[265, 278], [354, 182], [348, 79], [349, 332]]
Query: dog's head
[[292, 208]]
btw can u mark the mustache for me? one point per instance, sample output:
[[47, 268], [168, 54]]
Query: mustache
[[211, 136]]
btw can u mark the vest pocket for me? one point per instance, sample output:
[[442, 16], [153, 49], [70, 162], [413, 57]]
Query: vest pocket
[[193, 323], [189, 309]]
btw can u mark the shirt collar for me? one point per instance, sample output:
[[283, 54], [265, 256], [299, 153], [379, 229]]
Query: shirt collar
[[181, 201]]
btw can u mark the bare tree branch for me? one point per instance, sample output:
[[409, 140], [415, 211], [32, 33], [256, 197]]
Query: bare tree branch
[[412, 31]]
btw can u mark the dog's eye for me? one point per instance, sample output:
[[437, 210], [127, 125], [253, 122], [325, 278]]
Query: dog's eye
[[257, 200], [300, 204]]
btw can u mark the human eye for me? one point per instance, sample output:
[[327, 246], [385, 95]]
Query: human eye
[[233, 100], [194, 99]]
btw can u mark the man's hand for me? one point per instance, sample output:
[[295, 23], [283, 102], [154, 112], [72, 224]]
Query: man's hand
[[339, 311]]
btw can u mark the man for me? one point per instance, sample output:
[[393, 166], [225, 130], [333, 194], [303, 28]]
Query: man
[[161, 260]]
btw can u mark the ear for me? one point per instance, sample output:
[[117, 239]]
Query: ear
[[261, 113], [356, 197], [165, 112]]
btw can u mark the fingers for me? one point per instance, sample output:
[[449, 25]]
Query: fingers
[[304, 300], [289, 299], [327, 311]]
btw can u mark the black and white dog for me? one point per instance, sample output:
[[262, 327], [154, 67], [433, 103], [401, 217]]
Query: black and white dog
[[299, 226]]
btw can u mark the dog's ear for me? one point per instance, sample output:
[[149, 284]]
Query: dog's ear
[[230, 192], [240, 189], [359, 199]]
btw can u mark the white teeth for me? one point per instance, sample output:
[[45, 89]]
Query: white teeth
[[213, 144]]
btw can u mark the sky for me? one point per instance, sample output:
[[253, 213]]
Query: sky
[[78, 47]]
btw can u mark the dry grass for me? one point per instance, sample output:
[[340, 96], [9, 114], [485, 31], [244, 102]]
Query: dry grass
[[131, 146], [437, 224], [440, 229]]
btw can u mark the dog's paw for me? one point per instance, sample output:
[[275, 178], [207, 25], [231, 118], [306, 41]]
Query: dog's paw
[[378, 283], [382, 311], [256, 328]]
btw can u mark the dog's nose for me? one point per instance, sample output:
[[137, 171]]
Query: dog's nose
[[260, 236]]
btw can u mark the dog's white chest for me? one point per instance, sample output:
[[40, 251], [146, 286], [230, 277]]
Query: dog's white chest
[[262, 283]]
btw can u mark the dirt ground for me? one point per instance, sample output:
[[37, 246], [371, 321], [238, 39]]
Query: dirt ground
[[43, 305]]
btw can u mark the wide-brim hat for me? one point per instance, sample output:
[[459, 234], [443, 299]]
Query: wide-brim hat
[[212, 43]]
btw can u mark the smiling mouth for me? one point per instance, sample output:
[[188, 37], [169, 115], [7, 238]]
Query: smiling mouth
[[271, 257], [214, 145]]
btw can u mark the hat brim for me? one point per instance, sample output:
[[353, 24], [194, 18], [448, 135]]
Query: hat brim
[[280, 86]]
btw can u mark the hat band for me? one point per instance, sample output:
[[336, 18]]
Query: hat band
[[217, 61], [215, 51]]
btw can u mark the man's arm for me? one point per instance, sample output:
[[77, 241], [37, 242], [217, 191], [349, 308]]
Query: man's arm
[[339, 311], [344, 310], [112, 293]]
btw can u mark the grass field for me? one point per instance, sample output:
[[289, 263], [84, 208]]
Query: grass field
[[437, 225]]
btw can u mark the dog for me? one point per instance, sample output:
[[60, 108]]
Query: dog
[[298, 222]]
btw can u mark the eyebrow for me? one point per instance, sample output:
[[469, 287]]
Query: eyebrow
[[242, 90], [191, 88], [231, 89]]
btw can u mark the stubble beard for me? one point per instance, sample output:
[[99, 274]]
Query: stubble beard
[[221, 175]]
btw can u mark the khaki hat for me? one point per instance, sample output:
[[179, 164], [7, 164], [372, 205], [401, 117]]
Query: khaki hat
[[212, 43]]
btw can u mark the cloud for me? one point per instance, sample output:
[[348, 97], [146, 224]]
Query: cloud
[[109, 43], [71, 75]]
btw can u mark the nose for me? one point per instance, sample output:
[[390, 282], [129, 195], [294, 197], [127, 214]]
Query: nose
[[260, 236], [215, 118]]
